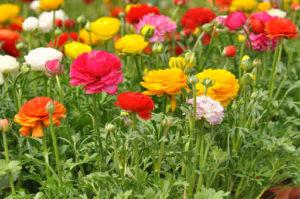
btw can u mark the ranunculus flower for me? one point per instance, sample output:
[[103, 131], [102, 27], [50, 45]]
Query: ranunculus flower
[[243, 5], [51, 4], [9, 39], [35, 5], [235, 21], [281, 28], [196, 17], [97, 71], [38, 57], [229, 51], [258, 20], [225, 86], [137, 12], [30, 24], [131, 44], [137, 103], [277, 13], [46, 19], [33, 116], [260, 42], [4, 125], [53, 68], [212, 111], [161, 24], [8, 65], [8, 11], [89, 38], [74, 49], [105, 27], [165, 82], [63, 38]]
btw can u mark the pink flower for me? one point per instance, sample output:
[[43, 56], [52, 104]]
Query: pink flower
[[235, 21], [98, 71], [53, 67], [209, 109], [260, 42], [258, 20], [162, 25]]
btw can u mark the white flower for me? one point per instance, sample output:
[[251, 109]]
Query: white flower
[[46, 19], [277, 13], [209, 109], [38, 57], [35, 6], [30, 24], [8, 65]]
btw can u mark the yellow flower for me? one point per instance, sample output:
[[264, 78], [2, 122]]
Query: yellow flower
[[50, 4], [245, 5], [74, 49], [264, 6], [177, 62], [105, 27], [241, 38], [131, 44], [225, 86], [89, 38], [165, 82], [8, 12]]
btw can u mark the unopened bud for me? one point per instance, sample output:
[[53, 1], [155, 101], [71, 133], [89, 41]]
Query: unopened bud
[[147, 31], [109, 127], [57, 32], [207, 82], [81, 19], [167, 122], [4, 125], [190, 59], [193, 80], [20, 45], [25, 68], [246, 63], [88, 26], [50, 107], [257, 63], [157, 48]]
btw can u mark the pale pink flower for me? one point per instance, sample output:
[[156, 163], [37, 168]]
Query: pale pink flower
[[235, 21], [209, 109], [97, 71], [162, 25]]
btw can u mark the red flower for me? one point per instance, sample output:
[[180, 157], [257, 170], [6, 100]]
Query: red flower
[[206, 39], [63, 38], [196, 17], [116, 11], [136, 12], [179, 2], [69, 23], [281, 28], [229, 51], [9, 39], [137, 103]]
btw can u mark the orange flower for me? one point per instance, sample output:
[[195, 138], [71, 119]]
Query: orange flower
[[33, 116], [280, 27]]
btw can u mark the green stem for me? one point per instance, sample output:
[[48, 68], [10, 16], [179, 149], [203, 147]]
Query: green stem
[[55, 147], [6, 154], [60, 90], [139, 73], [46, 157], [209, 47], [276, 59]]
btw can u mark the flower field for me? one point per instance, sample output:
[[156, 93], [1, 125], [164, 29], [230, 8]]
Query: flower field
[[149, 99]]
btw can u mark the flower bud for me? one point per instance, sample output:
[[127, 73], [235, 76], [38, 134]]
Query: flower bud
[[81, 19], [4, 125], [109, 127], [167, 122], [257, 63], [124, 114], [193, 80], [177, 62], [190, 59], [229, 51], [208, 82], [207, 27], [246, 63], [87, 26], [50, 107], [147, 31], [53, 68], [25, 68], [57, 32], [20, 45], [158, 48], [180, 2]]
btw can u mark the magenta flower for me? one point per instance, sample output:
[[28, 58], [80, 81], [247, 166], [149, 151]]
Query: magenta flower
[[235, 21], [209, 109], [53, 67], [260, 42], [162, 25], [262, 16], [97, 71]]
